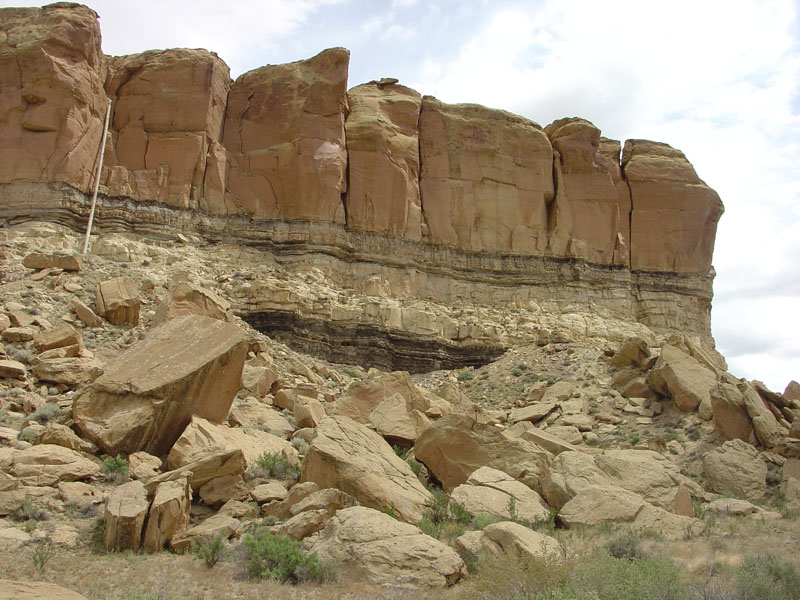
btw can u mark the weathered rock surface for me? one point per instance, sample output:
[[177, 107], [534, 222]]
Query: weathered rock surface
[[191, 299], [517, 540], [348, 456], [48, 464], [644, 472], [201, 437], [169, 513], [735, 467], [492, 492], [456, 446], [610, 504], [190, 365], [118, 301], [383, 159], [674, 214], [376, 548], [203, 533], [284, 132], [682, 378], [126, 509], [35, 590]]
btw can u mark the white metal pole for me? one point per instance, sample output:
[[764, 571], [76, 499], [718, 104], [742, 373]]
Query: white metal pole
[[97, 179]]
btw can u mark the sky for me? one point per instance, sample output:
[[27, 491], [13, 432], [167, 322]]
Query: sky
[[718, 79]]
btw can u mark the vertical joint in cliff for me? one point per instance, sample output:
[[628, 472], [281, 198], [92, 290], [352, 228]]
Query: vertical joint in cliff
[[423, 221], [630, 212]]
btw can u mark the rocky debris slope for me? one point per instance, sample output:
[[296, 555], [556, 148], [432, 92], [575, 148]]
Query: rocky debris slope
[[642, 433], [384, 190]]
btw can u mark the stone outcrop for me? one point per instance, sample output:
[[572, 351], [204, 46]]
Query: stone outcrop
[[492, 492], [149, 393], [456, 446], [48, 464], [386, 191], [34, 590], [348, 456], [378, 549], [126, 509], [736, 468]]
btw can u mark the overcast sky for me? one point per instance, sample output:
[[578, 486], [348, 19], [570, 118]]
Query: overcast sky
[[719, 80]]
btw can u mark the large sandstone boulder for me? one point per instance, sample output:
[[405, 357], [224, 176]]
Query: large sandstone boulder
[[492, 492], [735, 467], [35, 590], [348, 456], [126, 509], [392, 404], [456, 445], [767, 429], [169, 513], [190, 365], [644, 472], [674, 217], [610, 504], [517, 540], [48, 464], [383, 160], [202, 468], [284, 132], [118, 301], [486, 179], [730, 412], [680, 377], [378, 549], [191, 299], [201, 437]]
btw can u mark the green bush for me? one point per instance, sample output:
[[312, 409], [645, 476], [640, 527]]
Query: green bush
[[609, 578], [624, 546], [211, 552], [44, 551], [47, 412], [116, 468], [767, 577], [277, 557], [465, 376], [275, 464], [27, 511]]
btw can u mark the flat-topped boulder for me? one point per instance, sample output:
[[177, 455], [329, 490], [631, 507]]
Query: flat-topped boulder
[[190, 365]]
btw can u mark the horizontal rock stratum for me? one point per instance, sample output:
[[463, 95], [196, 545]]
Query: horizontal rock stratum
[[446, 199]]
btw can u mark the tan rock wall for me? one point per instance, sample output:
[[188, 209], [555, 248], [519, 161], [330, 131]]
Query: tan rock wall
[[440, 201]]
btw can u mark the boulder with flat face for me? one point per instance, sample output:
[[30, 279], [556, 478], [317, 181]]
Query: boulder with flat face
[[191, 299], [350, 457], [190, 365], [456, 445], [492, 492], [285, 140], [383, 160], [736, 468], [118, 301], [682, 378], [373, 547], [126, 509], [48, 464], [168, 514]]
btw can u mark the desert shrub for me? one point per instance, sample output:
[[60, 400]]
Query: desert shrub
[[625, 546], [47, 412], [275, 464], [767, 577], [300, 445], [278, 557], [44, 551], [401, 451], [27, 435], [210, 553], [517, 372], [482, 521], [95, 536], [28, 511], [115, 468], [465, 376], [443, 516], [654, 578]]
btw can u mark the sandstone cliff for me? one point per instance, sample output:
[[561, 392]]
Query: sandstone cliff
[[438, 201]]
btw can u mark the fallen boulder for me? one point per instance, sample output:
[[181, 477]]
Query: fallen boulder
[[190, 365], [456, 445], [350, 457], [378, 549]]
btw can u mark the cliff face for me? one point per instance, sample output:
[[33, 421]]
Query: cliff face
[[442, 201]]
